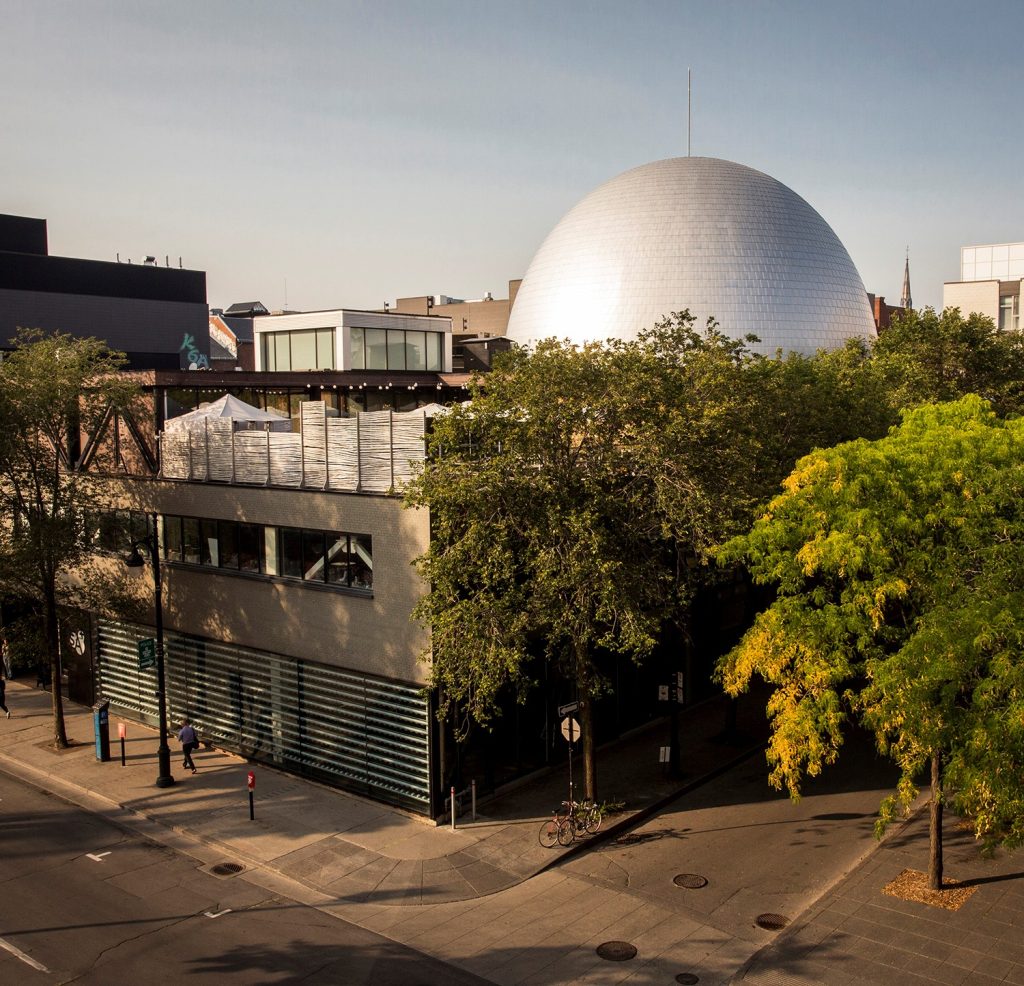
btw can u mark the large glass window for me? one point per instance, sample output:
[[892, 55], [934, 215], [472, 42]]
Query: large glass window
[[416, 350], [249, 542], [190, 540], [227, 537], [396, 349], [327, 557], [172, 538], [355, 349], [291, 552], [376, 349], [303, 350], [435, 353], [300, 349]]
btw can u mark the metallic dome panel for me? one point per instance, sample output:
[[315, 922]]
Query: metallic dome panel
[[712, 236]]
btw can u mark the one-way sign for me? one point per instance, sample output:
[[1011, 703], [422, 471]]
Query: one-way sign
[[568, 709]]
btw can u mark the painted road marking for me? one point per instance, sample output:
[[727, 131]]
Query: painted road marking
[[98, 856], [19, 954], [227, 910]]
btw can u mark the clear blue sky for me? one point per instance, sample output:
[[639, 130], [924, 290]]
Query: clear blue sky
[[358, 152]]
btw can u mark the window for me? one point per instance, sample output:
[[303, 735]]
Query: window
[[326, 557], [376, 349], [1009, 312], [227, 539], [396, 349], [357, 356], [300, 349]]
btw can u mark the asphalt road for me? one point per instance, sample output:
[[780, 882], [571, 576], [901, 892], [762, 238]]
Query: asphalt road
[[82, 901]]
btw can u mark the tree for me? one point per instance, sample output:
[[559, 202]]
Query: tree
[[542, 536], [927, 357], [899, 569], [52, 389]]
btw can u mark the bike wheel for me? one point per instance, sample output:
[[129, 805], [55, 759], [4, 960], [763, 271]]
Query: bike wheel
[[566, 832], [549, 833], [593, 820]]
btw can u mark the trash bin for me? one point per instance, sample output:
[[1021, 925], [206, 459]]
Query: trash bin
[[101, 729]]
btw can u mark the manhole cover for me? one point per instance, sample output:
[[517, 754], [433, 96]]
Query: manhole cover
[[629, 839], [226, 869], [616, 951], [690, 881], [687, 979], [771, 922]]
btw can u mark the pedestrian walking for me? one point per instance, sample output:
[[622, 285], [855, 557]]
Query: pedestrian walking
[[189, 742], [3, 694]]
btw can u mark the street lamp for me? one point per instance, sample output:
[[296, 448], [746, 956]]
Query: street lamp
[[135, 563]]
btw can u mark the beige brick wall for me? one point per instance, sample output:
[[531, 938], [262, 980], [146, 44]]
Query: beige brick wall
[[374, 635], [972, 296]]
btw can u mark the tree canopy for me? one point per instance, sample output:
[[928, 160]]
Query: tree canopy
[[52, 389], [899, 570]]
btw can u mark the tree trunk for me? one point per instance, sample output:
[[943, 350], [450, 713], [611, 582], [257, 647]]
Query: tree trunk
[[586, 724], [60, 736], [935, 828], [589, 761]]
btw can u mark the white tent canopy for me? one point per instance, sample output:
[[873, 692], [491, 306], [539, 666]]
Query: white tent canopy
[[244, 416]]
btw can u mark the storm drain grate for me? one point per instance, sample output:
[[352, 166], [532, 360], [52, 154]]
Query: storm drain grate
[[616, 951], [771, 922], [690, 881], [226, 869], [687, 979]]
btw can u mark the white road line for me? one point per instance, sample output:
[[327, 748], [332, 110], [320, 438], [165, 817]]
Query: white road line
[[19, 954], [227, 910]]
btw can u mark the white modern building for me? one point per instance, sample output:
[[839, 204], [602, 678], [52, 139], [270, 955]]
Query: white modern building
[[345, 339], [990, 283]]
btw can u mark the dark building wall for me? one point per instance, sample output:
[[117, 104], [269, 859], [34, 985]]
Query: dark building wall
[[23, 235], [141, 327], [69, 275]]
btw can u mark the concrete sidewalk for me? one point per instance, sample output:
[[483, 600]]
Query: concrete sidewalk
[[815, 864], [348, 848]]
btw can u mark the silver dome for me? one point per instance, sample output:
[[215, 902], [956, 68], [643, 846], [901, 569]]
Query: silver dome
[[699, 233]]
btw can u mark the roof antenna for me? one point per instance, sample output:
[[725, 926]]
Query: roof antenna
[[687, 112]]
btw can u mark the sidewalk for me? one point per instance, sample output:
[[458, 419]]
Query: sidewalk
[[348, 848]]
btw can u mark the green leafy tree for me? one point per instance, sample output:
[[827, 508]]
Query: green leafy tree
[[899, 569], [926, 357], [543, 535], [52, 389]]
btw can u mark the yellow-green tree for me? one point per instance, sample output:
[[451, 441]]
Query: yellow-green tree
[[899, 570], [52, 388]]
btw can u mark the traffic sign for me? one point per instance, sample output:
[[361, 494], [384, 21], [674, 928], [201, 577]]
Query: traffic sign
[[568, 709], [662, 693], [250, 781], [570, 729], [147, 653]]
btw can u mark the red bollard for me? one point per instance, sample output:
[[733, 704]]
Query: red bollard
[[250, 783], [122, 731]]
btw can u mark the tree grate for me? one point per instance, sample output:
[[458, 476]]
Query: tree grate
[[690, 881], [771, 922], [616, 951], [226, 869]]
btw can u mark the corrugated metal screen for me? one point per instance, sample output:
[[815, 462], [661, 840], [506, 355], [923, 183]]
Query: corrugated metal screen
[[349, 729]]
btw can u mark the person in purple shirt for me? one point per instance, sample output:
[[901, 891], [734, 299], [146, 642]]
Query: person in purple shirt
[[189, 742]]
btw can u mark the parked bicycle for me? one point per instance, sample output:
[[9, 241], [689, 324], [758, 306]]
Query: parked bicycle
[[571, 821]]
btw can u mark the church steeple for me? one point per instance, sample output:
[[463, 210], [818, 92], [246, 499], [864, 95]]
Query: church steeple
[[905, 300]]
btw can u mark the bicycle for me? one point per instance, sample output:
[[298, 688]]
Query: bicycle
[[558, 829], [570, 822]]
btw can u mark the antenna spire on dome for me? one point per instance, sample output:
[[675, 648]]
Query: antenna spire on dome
[[905, 300]]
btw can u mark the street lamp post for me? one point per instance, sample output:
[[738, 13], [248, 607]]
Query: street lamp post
[[135, 564]]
